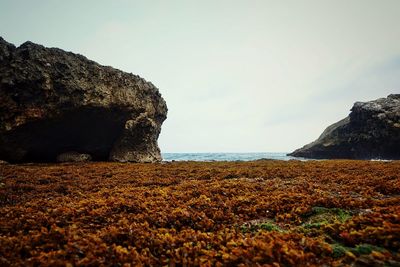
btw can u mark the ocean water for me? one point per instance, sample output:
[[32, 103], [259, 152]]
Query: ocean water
[[225, 156]]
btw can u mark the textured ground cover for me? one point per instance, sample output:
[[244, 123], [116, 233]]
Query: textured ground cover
[[212, 214]]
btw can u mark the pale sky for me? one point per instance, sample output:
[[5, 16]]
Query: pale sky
[[237, 76]]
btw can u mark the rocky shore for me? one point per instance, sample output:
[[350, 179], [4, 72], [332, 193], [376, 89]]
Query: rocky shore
[[54, 102], [371, 131], [315, 213]]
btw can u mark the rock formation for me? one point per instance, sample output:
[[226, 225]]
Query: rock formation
[[72, 156], [52, 102], [371, 131]]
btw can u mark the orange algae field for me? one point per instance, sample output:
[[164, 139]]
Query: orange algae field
[[272, 213]]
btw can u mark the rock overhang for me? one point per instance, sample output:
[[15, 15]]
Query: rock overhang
[[54, 101]]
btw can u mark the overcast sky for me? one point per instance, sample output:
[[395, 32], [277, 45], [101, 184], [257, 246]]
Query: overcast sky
[[238, 76]]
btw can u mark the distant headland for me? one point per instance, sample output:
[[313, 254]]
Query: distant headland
[[371, 131]]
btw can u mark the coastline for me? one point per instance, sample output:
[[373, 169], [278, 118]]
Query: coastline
[[228, 156], [244, 157]]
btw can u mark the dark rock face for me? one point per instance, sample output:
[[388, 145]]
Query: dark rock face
[[73, 156], [52, 101], [371, 131]]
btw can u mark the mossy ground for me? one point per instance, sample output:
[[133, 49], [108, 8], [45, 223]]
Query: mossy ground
[[192, 213]]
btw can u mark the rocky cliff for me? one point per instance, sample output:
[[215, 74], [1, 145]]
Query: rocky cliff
[[371, 131], [54, 102]]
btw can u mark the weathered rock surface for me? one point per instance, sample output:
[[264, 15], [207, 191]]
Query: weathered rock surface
[[371, 131], [73, 156], [52, 101]]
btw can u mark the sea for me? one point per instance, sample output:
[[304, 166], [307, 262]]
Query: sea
[[226, 156]]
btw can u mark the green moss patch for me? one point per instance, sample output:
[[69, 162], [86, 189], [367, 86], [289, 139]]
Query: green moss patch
[[321, 215], [260, 225]]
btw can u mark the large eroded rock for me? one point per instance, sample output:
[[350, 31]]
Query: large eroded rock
[[371, 131], [52, 102]]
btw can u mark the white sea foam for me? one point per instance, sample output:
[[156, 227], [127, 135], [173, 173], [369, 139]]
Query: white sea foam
[[226, 156]]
